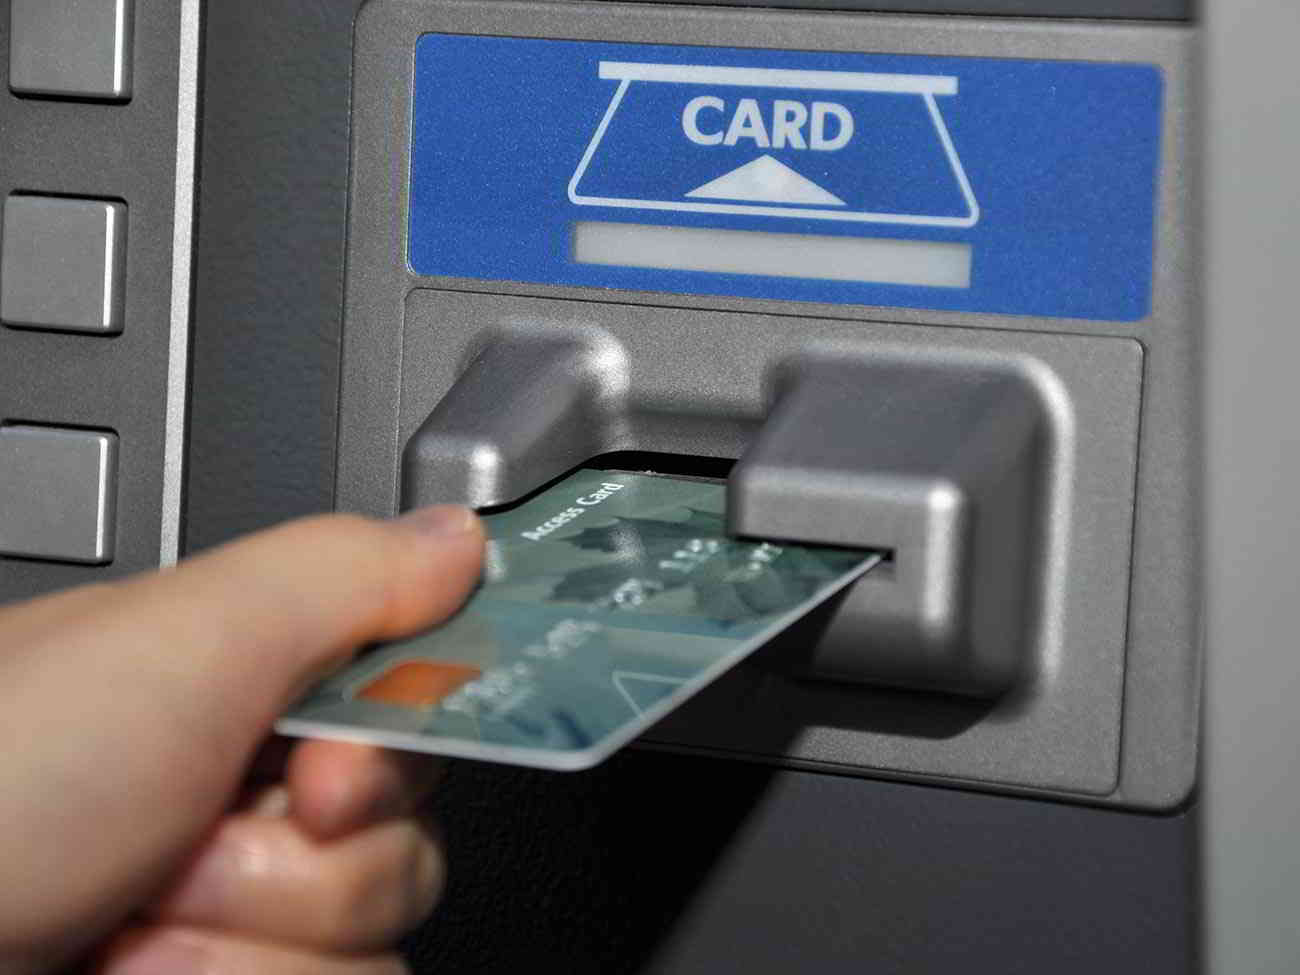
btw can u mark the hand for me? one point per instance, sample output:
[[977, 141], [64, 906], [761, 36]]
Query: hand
[[130, 714]]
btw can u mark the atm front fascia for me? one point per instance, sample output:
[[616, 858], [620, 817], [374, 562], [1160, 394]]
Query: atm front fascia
[[1007, 401]]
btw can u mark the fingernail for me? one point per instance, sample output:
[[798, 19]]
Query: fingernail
[[163, 954], [441, 521]]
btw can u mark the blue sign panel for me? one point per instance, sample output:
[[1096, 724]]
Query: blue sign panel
[[963, 184]]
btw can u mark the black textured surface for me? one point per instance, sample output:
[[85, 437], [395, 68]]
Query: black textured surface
[[662, 864]]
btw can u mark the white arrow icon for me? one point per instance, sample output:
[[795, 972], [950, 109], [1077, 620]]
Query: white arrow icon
[[766, 180]]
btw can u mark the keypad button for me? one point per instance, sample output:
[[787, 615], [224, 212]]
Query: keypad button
[[62, 264], [71, 48], [58, 493]]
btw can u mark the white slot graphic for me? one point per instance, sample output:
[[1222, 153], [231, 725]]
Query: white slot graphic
[[765, 186]]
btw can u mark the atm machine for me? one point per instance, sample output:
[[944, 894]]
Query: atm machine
[[927, 276]]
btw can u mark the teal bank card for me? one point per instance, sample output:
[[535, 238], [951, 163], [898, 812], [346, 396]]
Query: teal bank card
[[607, 600]]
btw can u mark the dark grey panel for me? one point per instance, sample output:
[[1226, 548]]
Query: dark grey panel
[[596, 872], [1121, 9], [270, 248], [114, 151], [676, 866]]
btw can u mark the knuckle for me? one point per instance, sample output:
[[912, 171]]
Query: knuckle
[[368, 899]]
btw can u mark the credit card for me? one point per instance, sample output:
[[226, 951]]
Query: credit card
[[606, 601]]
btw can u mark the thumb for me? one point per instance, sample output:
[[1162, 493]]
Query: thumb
[[133, 713], [272, 612]]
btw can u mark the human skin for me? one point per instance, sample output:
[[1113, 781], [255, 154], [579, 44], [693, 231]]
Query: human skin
[[146, 827]]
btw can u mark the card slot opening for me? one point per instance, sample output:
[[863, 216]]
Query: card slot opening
[[673, 465]]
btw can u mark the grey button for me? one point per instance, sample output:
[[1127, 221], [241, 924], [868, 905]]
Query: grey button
[[62, 264], [58, 493], [74, 48]]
